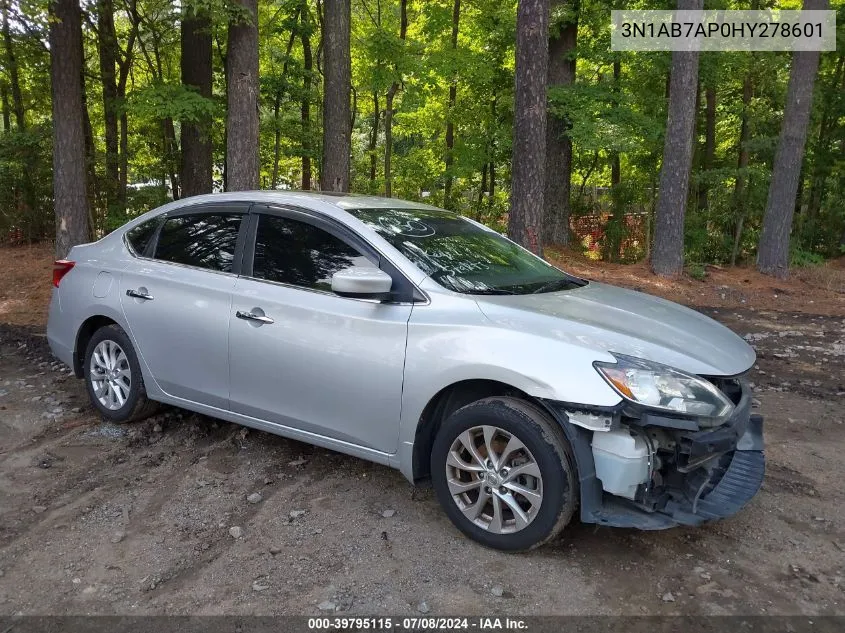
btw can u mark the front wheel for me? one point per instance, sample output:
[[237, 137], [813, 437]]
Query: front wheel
[[503, 472], [113, 377]]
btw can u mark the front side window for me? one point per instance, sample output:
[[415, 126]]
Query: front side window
[[300, 254], [204, 240], [463, 256]]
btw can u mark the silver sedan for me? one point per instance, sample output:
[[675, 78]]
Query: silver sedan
[[416, 338]]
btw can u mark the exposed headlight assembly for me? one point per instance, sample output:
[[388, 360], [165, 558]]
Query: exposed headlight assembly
[[666, 389]]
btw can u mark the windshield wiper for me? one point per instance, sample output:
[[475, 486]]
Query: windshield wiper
[[551, 285], [493, 291]]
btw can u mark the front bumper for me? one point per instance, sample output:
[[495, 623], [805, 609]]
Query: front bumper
[[712, 473]]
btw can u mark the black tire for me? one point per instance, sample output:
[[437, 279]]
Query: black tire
[[550, 450], [136, 406]]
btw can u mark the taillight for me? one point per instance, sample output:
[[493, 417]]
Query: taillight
[[60, 269]]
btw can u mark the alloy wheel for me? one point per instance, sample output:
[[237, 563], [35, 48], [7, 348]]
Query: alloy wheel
[[494, 479], [111, 376]]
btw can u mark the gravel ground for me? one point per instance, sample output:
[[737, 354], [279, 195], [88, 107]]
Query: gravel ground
[[182, 514]]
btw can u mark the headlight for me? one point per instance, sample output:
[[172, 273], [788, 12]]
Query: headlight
[[661, 387]]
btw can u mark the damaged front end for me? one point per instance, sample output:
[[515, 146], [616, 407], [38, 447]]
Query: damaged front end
[[654, 470]]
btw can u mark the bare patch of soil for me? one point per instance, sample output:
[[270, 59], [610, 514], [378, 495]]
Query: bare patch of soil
[[25, 283], [815, 290]]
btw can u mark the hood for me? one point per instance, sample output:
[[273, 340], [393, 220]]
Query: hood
[[610, 319]]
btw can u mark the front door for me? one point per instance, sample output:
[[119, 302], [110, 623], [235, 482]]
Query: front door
[[314, 360]]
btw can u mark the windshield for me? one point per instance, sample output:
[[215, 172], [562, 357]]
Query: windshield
[[464, 256]]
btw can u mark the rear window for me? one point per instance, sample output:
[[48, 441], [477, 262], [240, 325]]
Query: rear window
[[138, 237], [202, 240]]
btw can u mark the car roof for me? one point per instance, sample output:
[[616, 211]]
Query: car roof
[[329, 204], [341, 200]]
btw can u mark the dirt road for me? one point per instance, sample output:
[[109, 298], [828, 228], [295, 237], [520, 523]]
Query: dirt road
[[157, 517]]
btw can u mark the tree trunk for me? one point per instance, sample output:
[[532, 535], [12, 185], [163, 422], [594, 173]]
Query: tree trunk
[[305, 105], [13, 71], [371, 150], [525, 223], [388, 142], [388, 108], [242, 97], [123, 171], [821, 167], [558, 143], [615, 170], [337, 84], [107, 45], [742, 166], [94, 223], [667, 258], [277, 104], [709, 143], [277, 139], [171, 161], [773, 248], [124, 63], [28, 157], [481, 191], [450, 113], [374, 138], [618, 209], [614, 240], [492, 192], [69, 175], [354, 110], [7, 109], [197, 163], [823, 163], [744, 155], [7, 125]]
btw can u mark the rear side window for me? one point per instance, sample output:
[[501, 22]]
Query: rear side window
[[203, 240], [292, 252], [139, 236]]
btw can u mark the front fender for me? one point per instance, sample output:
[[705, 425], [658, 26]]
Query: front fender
[[441, 352]]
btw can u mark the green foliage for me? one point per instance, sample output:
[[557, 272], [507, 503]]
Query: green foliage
[[799, 258], [696, 270], [174, 101], [25, 163], [607, 117], [140, 199]]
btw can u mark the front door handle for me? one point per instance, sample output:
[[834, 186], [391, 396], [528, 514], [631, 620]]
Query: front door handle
[[139, 295], [249, 316]]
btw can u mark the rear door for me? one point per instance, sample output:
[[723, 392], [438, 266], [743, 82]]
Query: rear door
[[317, 362], [177, 300]]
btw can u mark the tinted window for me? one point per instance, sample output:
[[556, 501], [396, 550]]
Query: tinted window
[[139, 236], [205, 240], [464, 256], [300, 254]]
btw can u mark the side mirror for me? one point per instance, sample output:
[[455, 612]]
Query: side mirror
[[362, 283]]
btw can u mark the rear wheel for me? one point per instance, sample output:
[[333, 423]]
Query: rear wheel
[[113, 377], [502, 470]]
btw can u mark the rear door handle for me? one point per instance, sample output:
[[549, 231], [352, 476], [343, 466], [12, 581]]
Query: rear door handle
[[139, 295], [249, 316]]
